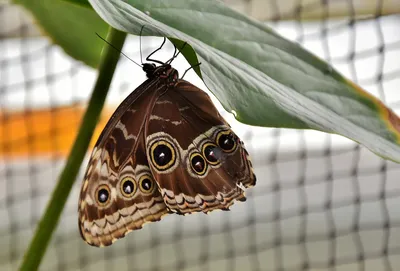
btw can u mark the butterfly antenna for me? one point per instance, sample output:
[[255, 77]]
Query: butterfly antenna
[[140, 44], [192, 67], [119, 51]]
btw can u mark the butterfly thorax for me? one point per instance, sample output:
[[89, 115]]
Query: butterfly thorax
[[164, 71]]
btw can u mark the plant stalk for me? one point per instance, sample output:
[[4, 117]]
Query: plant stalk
[[49, 221]]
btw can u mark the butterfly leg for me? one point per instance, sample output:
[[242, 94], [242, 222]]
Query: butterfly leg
[[175, 53], [158, 49], [196, 65]]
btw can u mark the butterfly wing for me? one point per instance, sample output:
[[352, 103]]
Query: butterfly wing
[[118, 192], [197, 160], [166, 148]]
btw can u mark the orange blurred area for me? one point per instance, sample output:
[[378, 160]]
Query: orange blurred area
[[43, 132]]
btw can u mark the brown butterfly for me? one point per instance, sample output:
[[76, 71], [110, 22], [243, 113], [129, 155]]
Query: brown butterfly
[[166, 149]]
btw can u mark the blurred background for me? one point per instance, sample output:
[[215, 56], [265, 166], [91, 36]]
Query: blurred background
[[322, 202]]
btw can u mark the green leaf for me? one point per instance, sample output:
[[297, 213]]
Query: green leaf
[[266, 79], [71, 26]]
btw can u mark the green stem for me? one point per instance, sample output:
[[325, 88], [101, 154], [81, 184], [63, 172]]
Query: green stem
[[49, 221]]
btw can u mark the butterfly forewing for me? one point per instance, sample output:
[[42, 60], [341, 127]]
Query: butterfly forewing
[[119, 193]]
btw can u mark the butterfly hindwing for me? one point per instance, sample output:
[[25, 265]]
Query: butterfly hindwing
[[197, 160]]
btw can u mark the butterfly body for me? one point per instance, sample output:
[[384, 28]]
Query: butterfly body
[[166, 149]]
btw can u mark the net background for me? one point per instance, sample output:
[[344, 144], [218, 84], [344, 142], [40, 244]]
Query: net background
[[322, 202]]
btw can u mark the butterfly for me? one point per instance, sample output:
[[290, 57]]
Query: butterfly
[[166, 149]]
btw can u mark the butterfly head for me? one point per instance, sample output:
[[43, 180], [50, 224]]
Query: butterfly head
[[149, 69]]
